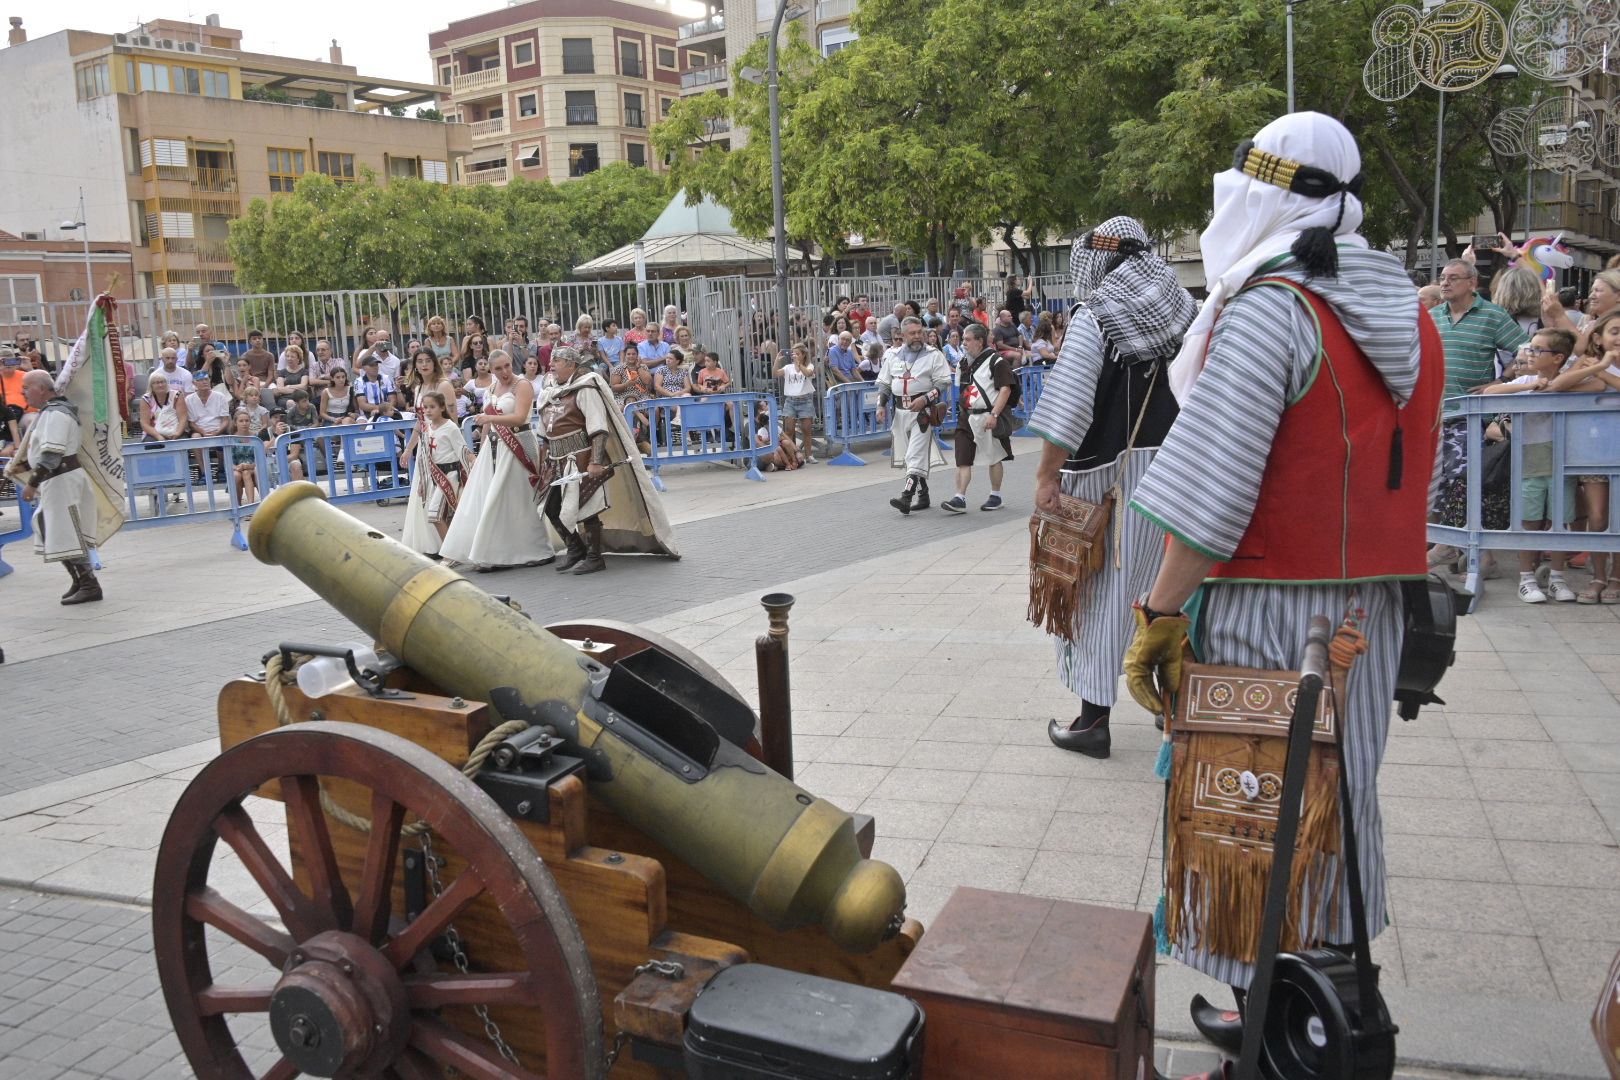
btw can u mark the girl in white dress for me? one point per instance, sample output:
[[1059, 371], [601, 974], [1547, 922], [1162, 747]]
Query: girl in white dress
[[498, 523], [442, 463], [425, 377]]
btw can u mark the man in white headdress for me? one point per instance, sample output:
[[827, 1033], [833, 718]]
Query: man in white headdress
[[1295, 483], [48, 467], [1105, 408]]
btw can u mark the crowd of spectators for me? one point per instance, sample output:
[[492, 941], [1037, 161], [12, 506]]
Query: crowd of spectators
[[1528, 338]]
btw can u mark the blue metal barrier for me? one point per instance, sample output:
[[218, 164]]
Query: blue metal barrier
[[175, 481], [1585, 440], [717, 427], [350, 460], [851, 413], [25, 517], [1032, 379]]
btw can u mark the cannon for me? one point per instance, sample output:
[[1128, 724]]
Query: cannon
[[516, 851]]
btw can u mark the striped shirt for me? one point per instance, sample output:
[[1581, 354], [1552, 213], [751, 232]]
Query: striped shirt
[[1473, 340]]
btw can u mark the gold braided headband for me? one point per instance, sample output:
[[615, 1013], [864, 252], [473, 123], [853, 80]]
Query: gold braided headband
[[1290, 175]]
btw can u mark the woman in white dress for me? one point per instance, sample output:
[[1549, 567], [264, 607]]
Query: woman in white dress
[[498, 523], [426, 376]]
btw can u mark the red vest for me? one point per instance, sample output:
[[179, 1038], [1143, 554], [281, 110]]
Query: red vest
[[1327, 511]]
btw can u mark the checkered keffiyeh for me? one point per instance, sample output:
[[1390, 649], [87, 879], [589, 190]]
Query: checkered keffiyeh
[[1137, 301]]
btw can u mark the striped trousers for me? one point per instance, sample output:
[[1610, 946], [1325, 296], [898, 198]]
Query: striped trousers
[[1092, 664]]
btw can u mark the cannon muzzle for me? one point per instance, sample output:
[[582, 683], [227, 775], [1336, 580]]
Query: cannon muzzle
[[790, 857]]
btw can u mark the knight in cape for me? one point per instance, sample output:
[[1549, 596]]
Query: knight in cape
[[595, 492], [71, 458]]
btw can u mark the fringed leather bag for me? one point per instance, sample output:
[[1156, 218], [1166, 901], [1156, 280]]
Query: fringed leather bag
[[1229, 740], [1067, 547]]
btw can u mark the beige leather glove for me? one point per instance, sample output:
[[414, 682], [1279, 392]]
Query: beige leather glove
[[1153, 662]]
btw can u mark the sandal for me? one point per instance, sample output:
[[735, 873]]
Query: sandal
[[1592, 594], [1611, 591]]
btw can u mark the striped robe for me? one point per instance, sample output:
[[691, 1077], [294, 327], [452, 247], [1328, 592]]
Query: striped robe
[[1087, 383], [1203, 487]]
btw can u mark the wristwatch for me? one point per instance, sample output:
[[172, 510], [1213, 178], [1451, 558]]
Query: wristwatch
[[1152, 615]]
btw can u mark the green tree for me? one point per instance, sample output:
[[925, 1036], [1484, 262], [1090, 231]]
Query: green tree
[[613, 206], [428, 112]]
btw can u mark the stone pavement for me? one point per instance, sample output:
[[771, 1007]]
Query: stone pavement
[[920, 697]]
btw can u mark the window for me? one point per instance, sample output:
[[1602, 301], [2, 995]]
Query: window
[[522, 53], [92, 80], [582, 159], [216, 84], [154, 77], [667, 59], [489, 62], [403, 168], [664, 105], [435, 172], [175, 224], [339, 167], [578, 57], [630, 59], [636, 154], [529, 156], [633, 116], [185, 80], [581, 106], [164, 153], [132, 151], [486, 166], [836, 38], [286, 166], [447, 72], [137, 222], [528, 105]]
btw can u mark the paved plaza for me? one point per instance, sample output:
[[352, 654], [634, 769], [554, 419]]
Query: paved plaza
[[921, 696]]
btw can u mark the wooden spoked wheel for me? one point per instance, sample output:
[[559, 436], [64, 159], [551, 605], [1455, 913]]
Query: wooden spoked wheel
[[346, 992]]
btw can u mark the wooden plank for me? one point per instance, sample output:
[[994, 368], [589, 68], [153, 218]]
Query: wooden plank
[[426, 719], [959, 1046]]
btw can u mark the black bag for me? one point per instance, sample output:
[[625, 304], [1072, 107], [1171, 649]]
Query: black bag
[[1497, 467]]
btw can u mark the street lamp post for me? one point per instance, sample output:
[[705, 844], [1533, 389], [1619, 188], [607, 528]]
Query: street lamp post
[[1289, 22], [1503, 71], [84, 235], [783, 314]]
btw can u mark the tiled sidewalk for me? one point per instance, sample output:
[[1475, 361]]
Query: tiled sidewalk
[[921, 697]]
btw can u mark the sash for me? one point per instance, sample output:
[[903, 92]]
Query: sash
[[509, 439], [423, 447], [443, 483]]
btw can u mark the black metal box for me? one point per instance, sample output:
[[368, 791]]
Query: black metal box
[[754, 1022]]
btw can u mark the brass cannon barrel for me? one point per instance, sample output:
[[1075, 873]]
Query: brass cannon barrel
[[791, 857]]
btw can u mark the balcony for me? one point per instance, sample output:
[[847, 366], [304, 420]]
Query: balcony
[[718, 125], [703, 76], [214, 180], [478, 80], [714, 24], [487, 176], [581, 114], [828, 10], [485, 130]]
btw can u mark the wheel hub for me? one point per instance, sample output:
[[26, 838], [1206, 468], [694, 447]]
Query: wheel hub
[[340, 1008]]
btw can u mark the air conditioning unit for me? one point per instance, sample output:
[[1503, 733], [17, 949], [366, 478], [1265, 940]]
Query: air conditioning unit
[[121, 39], [188, 46], [165, 43], [142, 40]]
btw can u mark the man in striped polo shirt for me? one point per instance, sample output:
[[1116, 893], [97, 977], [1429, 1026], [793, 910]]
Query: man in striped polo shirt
[[1473, 330]]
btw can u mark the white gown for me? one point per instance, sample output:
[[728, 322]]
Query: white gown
[[498, 522], [427, 502]]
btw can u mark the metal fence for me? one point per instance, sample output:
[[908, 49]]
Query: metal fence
[[733, 316]]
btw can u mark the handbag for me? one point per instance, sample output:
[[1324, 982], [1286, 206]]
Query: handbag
[[1068, 547]]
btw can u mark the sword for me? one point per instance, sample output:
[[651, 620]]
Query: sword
[[580, 475]]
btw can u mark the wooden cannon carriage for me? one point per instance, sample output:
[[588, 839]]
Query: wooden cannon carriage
[[557, 911]]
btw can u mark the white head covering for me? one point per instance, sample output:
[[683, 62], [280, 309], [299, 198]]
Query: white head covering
[[1256, 221]]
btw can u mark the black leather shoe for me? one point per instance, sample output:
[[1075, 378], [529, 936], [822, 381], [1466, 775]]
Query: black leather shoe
[[1222, 1027], [903, 502], [1092, 742]]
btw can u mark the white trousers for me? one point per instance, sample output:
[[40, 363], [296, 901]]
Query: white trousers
[[914, 449]]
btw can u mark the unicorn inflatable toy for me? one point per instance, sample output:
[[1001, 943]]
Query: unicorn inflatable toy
[[1544, 255]]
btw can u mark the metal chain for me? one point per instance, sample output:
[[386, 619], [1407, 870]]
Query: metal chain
[[458, 952], [612, 1057], [669, 969]]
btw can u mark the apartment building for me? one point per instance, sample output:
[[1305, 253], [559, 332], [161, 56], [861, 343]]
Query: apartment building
[[555, 89], [173, 128]]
